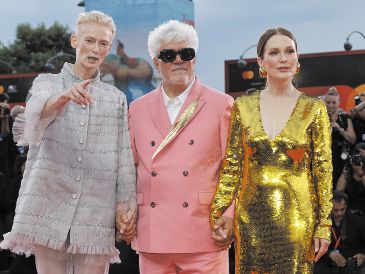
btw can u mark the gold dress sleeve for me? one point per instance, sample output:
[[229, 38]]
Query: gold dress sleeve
[[231, 171], [322, 170]]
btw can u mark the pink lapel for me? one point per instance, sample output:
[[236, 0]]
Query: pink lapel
[[157, 109], [195, 92]]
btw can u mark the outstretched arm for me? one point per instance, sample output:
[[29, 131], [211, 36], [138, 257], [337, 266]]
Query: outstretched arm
[[76, 93]]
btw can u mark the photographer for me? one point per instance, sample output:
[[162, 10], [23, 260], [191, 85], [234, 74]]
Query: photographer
[[358, 117], [19, 263], [4, 133], [343, 134], [352, 181], [346, 253]]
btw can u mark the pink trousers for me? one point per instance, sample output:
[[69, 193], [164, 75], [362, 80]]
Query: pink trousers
[[50, 261], [215, 262]]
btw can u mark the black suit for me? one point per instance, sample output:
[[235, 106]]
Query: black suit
[[352, 242]]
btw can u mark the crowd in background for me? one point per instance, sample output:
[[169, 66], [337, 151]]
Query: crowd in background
[[346, 253], [12, 162], [348, 149]]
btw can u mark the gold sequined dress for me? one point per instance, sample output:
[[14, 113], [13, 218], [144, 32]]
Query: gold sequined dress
[[281, 187]]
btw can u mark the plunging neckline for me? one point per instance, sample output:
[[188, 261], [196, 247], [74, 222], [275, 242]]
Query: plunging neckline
[[285, 124]]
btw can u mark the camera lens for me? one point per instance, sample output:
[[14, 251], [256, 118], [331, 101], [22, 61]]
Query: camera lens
[[356, 160], [357, 100]]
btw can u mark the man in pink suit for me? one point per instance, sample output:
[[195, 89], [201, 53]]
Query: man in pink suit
[[178, 133]]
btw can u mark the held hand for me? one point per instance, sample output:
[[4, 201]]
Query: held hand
[[360, 258], [361, 106], [78, 93], [337, 258], [126, 224], [320, 247], [336, 126], [223, 231]]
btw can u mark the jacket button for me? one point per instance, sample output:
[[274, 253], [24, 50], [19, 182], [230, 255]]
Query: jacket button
[[185, 204], [186, 173], [191, 142], [153, 143], [153, 204], [153, 173]]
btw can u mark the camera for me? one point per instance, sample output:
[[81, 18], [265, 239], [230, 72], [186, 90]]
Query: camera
[[345, 149], [357, 100], [23, 151], [357, 159], [4, 111], [350, 267]]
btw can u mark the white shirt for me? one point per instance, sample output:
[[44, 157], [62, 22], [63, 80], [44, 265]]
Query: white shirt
[[173, 105]]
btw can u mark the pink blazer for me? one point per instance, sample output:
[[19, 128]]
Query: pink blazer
[[174, 189]]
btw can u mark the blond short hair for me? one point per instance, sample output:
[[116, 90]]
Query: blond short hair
[[95, 17]]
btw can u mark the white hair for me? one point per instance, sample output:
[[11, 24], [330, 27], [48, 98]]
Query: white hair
[[95, 17], [172, 31]]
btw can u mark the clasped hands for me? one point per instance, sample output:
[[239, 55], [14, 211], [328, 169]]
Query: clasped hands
[[125, 220], [222, 232]]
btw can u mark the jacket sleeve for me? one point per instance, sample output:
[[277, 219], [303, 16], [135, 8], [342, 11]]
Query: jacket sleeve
[[231, 171], [126, 180], [322, 170], [131, 133], [44, 87]]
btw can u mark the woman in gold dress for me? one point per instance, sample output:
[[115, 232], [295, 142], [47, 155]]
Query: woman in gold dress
[[277, 169]]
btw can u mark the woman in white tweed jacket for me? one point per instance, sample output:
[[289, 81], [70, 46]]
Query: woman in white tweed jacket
[[80, 165]]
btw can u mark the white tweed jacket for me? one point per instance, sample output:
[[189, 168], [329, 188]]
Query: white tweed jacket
[[79, 166]]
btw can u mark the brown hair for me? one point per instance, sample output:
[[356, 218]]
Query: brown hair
[[339, 196], [268, 34], [332, 91]]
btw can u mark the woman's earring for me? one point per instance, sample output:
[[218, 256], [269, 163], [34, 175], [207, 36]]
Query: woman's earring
[[262, 72], [298, 68]]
